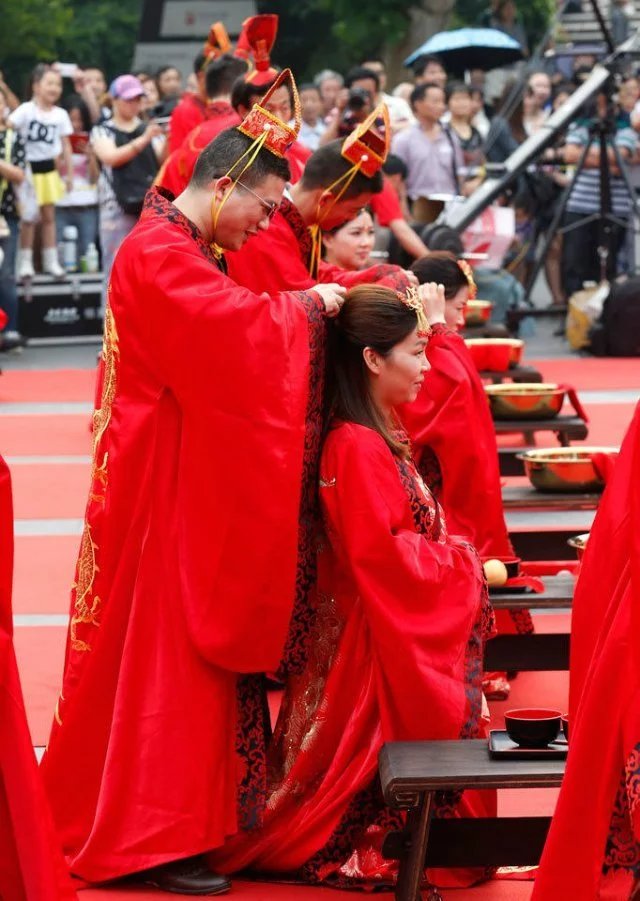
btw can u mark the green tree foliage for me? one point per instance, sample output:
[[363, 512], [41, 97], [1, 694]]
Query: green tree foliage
[[101, 33], [88, 32], [535, 15], [29, 34]]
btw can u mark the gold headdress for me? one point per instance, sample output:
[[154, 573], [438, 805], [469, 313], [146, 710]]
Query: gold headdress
[[412, 300], [468, 274]]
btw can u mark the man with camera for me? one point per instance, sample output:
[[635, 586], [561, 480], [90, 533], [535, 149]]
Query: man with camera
[[354, 103]]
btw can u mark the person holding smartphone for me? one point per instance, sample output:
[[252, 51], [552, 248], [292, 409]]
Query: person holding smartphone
[[79, 207]]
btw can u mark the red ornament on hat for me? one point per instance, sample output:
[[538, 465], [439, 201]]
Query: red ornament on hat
[[368, 146], [279, 135], [256, 42], [217, 43]]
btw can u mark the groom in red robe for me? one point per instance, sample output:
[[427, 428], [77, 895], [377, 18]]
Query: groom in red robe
[[190, 536]]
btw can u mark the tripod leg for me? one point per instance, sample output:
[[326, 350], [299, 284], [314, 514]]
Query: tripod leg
[[555, 222], [634, 219]]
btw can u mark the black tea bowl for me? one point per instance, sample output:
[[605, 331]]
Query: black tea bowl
[[533, 727]]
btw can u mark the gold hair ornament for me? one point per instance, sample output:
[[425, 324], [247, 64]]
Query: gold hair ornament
[[412, 300]]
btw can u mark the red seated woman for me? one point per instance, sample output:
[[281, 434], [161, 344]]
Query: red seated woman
[[401, 614], [453, 436]]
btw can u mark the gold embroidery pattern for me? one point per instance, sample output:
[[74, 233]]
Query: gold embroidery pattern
[[102, 416], [86, 604]]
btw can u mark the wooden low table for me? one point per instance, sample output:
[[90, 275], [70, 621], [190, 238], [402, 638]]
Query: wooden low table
[[525, 497], [540, 651], [557, 595], [411, 773], [516, 374], [543, 534]]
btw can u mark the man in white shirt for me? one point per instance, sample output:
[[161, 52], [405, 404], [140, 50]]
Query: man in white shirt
[[431, 153]]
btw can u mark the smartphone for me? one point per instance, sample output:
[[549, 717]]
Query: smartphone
[[79, 141], [67, 70]]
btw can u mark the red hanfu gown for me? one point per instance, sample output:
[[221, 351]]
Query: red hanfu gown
[[31, 863], [190, 112], [395, 654], [453, 438], [593, 848], [279, 259], [187, 565]]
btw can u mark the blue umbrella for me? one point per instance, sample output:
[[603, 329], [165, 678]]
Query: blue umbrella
[[470, 48]]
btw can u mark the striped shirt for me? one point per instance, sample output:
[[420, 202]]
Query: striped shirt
[[585, 194]]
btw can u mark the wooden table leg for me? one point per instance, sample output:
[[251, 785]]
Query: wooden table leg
[[411, 869]]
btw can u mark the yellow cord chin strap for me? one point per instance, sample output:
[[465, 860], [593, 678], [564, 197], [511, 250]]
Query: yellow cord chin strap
[[249, 156], [316, 229]]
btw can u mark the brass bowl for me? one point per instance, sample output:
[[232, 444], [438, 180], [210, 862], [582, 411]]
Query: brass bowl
[[495, 354], [564, 469], [477, 312], [526, 400], [579, 543]]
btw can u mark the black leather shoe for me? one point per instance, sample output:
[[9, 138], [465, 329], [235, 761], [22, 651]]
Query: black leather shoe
[[190, 876]]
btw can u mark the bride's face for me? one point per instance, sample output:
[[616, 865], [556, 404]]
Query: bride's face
[[397, 378]]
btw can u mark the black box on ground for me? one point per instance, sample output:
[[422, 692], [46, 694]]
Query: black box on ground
[[54, 308]]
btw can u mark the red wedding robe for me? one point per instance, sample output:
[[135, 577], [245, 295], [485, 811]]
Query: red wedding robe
[[451, 420], [596, 825], [189, 548], [31, 864], [395, 655], [279, 258], [176, 172], [190, 112]]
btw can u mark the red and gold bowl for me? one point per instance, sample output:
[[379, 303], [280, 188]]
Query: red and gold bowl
[[477, 312], [579, 544], [565, 469], [526, 400], [495, 354]]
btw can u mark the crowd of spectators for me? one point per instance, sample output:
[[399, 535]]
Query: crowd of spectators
[[444, 133]]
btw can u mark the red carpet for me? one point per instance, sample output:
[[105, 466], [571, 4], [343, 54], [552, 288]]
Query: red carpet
[[23, 386], [590, 373]]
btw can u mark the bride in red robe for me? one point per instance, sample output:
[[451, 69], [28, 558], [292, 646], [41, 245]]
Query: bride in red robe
[[454, 439], [401, 612]]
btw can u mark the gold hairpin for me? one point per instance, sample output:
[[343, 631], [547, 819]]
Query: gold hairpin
[[468, 274], [412, 300]]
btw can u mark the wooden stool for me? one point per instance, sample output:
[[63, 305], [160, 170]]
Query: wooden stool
[[411, 773]]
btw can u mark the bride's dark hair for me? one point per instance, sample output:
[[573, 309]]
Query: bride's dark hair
[[371, 316]]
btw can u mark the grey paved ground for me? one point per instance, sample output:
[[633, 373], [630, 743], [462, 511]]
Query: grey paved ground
[[83, 355]]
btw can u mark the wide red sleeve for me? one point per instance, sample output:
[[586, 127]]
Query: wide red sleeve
[[383, 274], [419, 595], [240, 366], [451, 416], [31, 863]]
